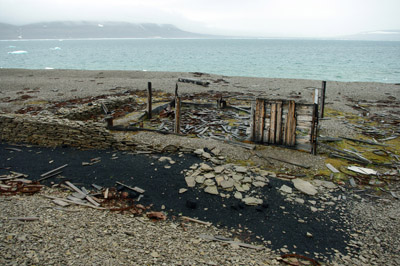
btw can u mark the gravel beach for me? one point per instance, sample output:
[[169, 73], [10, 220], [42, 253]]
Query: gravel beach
[[342, 226]]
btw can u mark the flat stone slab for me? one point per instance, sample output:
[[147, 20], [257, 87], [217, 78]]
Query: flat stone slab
[[252, 201], [286, 189], [211, 190], [304, 186], [241, 169], [190, 181]]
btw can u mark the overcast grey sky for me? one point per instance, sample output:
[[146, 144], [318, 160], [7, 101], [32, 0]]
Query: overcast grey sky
[[279, 18]]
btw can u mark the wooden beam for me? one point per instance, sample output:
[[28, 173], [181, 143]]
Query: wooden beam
[[290, 128], [149, 100], [278, 137], [177, 128], [323, 91], [272, 126]]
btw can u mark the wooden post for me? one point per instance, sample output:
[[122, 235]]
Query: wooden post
[[290, 128], [323, 90], [109, 120], [314, 130], [272, 125], [149, 96], [178, 115], [176, 90], [259, 120], [278, 123]]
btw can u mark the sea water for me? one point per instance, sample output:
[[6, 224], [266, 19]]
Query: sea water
[[301, 59]]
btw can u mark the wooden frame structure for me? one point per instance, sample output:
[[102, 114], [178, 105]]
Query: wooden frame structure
[[285, 122]]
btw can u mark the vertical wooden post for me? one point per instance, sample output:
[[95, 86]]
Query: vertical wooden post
[[177, 115], [272, 126], [290, 128], [323, 90], [314, 130], [176, 90], [149, 96], [259, 120], [278, 123]]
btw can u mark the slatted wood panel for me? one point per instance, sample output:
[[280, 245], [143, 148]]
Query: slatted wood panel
[[283, 122]]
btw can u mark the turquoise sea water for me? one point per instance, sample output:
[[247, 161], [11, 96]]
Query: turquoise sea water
[[304, 59]]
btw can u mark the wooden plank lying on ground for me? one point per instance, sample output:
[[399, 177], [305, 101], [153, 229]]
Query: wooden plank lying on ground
[[240, 244], [136, 189], [77, 203], [54, 170], [196, 221]]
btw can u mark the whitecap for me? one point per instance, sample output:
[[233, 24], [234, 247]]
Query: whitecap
[[55, 48], [48, 68], [18, 52]]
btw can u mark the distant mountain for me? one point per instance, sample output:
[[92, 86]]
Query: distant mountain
[[381, 35], [90, 29]]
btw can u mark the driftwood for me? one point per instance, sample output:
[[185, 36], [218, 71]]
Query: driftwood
[[54, 170], [49, 176], [136, 189], [77, 203], [194, 81], [83, 193], [229, 241], [364, 141], [196, 221]]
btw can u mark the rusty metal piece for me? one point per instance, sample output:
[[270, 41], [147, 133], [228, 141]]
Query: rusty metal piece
[[17, 187], [299, 257]]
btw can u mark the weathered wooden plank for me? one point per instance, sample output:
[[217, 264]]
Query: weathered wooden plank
[[258, 123], [149, 100], [272, 133], [290, 134], [322, 102], [314, 130], [177, 128], [54, 170], [278, 130]]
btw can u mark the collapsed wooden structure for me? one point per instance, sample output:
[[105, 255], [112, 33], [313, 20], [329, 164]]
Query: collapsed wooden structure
[[286, 123]]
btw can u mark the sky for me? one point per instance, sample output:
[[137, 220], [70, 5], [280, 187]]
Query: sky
[[258, 18]]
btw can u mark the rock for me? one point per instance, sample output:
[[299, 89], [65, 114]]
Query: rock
[[241, 169], [239, 188], [209, 175], [258, 184], [267, 173], [206, 155], [200, 179], [245, 187], [237, 177], [225, 184], [247, 179], [308, 234], [299, 200], [286, 189], [154, 254], [199, 151], [313, 202], [219, 179], [238, 195], [313, 209], [190, 181], [216, 151], [205, 167], [209, 182], [329, 185], [219, 169], [252, 201], [262, 179], [182, 190], [212, 190], [163, 159], [304, 186]]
